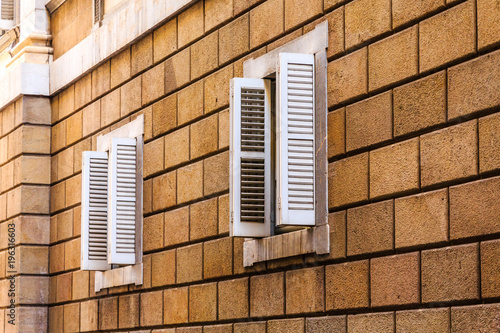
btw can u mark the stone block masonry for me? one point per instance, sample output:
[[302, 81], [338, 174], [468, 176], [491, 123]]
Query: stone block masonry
[[413, 176]]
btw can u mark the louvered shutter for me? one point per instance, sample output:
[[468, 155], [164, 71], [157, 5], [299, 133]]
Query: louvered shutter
[[94, 222], [250, 158], [122, 201], [295, 140], [97, 10]]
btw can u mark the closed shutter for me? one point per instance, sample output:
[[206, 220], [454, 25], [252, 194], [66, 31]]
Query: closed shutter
[[122, 201], [250, 158], [94, 221], [7, 10], [295, 140], [97, 10]]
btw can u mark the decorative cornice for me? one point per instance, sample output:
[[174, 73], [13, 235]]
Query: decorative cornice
[[52, 5], [8, 38]]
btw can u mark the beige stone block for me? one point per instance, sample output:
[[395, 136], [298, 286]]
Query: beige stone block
[[153, 157], [449, 154], [33, 259], [83, 91], [176, 306], [120, 67], [366, 19], [110, 108], [216, 173], [165, 40], [204, 136], [177, 70], [176, 226], [448, 36], [421, 219], [65, 163], [64, 225], [101, 79], [74, 190], [203, 302], [72, 317], [205, 55], [266, 22], [36, 110], [154, 83], [394, 169], [234, 39], [190, 103], [348, 77], [164, 191], [177, 147], [67, 101], [130, 99], [393, 59], [141, 54], [190, 24], [164, 115], [216, 89], [190, 182], [89, 316], [91, 121]]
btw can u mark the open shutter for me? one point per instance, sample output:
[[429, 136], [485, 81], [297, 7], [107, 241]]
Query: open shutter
[[122, 201], [94, 211], [295, 140], [250, 158]]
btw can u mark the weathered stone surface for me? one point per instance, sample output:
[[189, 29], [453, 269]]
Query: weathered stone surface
[[395, 280], [474, 208], [347, 285], [450, 274], [448, 36], [421, 219]]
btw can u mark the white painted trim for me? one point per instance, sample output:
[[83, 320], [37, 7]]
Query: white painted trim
[[121, 276], [115, 33], [310, 43], [131, 130], [305, 241], [24, 79]]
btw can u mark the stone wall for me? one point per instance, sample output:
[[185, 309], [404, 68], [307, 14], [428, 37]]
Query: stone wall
[[24, 213], [414, 166]]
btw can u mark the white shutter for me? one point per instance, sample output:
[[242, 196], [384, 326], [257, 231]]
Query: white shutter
[[295, 140], [250, 158], [94, 211], [122, 201]]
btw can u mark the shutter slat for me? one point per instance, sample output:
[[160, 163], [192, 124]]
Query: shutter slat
[[94, 226], [296, 155], [123, 166], [250, 158]]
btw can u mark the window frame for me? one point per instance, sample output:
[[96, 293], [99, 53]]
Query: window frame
[[119, 275], [314, 239]]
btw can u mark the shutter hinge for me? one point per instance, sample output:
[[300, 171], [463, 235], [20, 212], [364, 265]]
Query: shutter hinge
[[232, 216], [279, 203]]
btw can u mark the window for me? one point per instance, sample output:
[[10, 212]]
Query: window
[[102, 8], [278, 162], [6, 14], [112, 200]]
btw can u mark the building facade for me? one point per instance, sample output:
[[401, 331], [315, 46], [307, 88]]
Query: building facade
[[411, 150]]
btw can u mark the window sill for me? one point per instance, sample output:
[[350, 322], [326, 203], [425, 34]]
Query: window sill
[[117, 277], [311, 240]]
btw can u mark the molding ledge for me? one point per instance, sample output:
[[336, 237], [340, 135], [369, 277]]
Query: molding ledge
[[312, 240], [123, 27], [24, 79], [119, 277], [52, 5]]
